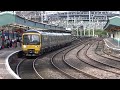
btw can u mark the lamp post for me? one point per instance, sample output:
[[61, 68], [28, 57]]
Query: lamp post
[[41, 16], [81, 28], [89, 24], [93, 25], [67, 18], [89, 27], [84, 29], [81, 31], [36, 16], [75, 25], [77, 31], [118, 42], [2, 39]]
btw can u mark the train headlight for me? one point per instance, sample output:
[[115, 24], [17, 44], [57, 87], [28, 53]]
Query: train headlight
[[36, 46], [24, 46]]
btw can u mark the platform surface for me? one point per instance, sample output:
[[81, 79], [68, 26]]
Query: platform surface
[[4, 73], [111, 43]]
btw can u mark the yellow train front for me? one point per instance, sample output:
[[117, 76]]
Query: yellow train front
[[31, 43], [34, 42]]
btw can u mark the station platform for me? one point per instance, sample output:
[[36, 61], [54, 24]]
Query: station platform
[[4, 73], [111, 43]]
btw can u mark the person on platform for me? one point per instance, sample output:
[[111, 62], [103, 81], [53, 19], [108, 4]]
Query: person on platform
[[10, 43]]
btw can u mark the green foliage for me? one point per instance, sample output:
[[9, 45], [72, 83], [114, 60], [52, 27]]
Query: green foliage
[[100, 33]]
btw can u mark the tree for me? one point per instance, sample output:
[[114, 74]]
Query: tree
[[100, 33]]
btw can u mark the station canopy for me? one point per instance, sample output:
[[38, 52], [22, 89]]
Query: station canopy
[[10, 19], [113, 24]]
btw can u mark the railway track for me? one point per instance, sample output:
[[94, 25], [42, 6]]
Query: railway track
[[77, 69], [80, 65], [67, 68], [26, 68], [110, 55], [101, 65], [102, 53], [59, 65], [107, 61], [98, 60], [96, 67]]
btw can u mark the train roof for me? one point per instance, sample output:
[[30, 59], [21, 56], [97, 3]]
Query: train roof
[[47, 33]]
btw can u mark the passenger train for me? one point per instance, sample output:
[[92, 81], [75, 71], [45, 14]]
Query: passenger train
[[35, 42]]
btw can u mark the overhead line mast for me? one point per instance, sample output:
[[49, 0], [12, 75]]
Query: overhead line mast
[[89, 23]]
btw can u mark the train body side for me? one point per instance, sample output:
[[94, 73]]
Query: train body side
[[48, 41]]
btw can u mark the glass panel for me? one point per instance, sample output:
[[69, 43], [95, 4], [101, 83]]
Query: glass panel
[[31, 39]]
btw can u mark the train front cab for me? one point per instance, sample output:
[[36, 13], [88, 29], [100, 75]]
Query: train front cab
[[31, 44]]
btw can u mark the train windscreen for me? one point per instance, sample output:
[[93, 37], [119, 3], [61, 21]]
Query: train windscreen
[[31, 39]]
